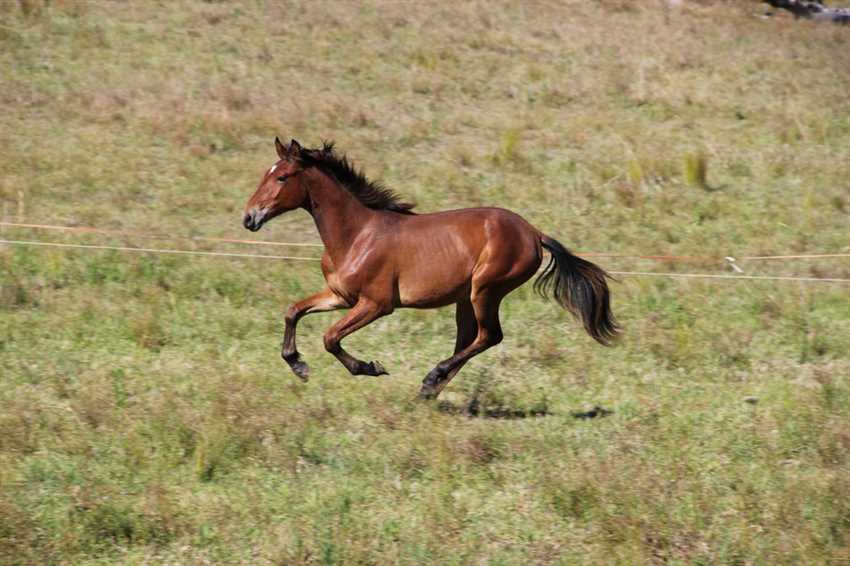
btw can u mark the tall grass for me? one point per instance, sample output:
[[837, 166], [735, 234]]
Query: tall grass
[[145, 415]]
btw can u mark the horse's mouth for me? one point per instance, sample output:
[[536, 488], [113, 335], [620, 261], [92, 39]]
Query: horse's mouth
[[254, 220]]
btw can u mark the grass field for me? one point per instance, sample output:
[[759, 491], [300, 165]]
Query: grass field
[[145, 415]]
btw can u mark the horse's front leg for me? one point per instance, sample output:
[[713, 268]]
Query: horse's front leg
[[364, 312], [325, 300]]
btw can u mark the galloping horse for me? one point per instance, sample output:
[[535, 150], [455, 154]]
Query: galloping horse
[[380, 255]]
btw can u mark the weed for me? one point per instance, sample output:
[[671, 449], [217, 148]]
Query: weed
[[696, 170]]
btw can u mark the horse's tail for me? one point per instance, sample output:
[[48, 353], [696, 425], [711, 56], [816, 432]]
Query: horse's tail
[[580, 287]]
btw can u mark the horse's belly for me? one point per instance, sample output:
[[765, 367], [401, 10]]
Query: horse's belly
[[434, 266], [434, 288]]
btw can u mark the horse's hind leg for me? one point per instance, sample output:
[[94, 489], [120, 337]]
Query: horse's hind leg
[[467, 330], [323, 301], [486, 334], [467, 326], [364, 312]]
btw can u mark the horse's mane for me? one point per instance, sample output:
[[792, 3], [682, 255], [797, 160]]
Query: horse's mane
[[370, 193]]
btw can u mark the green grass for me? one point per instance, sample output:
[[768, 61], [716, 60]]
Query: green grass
[[145, 415]]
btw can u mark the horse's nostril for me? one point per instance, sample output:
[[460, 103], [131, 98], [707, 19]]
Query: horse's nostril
[[247, 221]]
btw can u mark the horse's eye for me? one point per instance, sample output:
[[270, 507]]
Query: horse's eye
[[283, 178]]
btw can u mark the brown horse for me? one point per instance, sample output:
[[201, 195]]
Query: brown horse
[[380, 255]]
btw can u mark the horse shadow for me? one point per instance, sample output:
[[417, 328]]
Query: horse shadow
[[473, 409]]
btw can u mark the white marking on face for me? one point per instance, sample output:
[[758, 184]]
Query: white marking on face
[[271, 169]]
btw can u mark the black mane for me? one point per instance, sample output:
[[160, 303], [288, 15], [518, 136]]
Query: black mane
[[370, 193]]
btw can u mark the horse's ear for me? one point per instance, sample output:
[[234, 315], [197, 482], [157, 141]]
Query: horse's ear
[[279, 147], [294, 150]]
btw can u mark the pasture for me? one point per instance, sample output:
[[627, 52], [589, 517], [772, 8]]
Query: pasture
[[146, 416]]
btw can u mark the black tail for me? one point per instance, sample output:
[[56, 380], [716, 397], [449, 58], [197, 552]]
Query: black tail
[[580, 287]]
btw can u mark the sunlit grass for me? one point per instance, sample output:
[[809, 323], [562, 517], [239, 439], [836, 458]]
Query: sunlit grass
[[145, 414]]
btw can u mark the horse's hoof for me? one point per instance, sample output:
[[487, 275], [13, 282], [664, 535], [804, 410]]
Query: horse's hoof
[[427, 393], [376, 369], [432, 384], [297, 365], [301, 369]]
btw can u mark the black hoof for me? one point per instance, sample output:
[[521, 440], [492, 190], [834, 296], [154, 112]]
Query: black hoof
[[431, 384], [427, 393], [302, 370], [299, 367], [372, 368]]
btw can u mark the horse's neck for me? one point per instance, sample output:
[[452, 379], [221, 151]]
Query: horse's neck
[[339, 216]]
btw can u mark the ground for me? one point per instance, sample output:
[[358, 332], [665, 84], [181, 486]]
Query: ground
[[145, 414]]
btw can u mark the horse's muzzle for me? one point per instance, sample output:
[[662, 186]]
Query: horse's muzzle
[[253, 220]]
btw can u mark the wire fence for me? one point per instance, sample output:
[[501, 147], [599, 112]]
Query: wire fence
[[90, 230], [730, 261], [152, 250]]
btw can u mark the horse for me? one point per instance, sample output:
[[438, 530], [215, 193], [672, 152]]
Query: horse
[[380, 255]]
